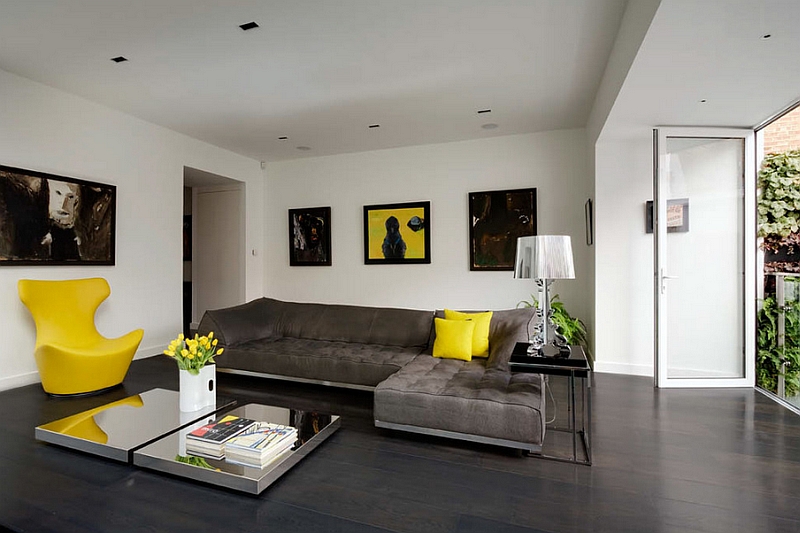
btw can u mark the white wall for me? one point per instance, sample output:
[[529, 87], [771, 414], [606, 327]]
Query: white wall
[[51, 131], [623, 257], [553, 162]]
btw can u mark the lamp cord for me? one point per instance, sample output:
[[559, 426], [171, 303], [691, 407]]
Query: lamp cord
[[552, 400]]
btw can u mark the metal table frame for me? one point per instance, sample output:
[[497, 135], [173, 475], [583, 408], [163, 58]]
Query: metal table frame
[[574, 367]]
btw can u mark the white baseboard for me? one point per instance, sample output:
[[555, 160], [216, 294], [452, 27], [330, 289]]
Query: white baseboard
[[144, 353], [20, 380], [623, 368]]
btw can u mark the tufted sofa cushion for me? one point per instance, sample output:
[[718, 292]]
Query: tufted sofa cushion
[[464, 397], [333, 361]]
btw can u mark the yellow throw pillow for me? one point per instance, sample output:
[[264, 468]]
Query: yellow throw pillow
[[453, 339], [480, 338]]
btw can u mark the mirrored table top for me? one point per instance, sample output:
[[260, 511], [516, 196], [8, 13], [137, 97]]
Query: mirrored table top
[[116, 429], [169, 453]]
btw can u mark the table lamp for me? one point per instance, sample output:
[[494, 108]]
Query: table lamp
[[545, 258]]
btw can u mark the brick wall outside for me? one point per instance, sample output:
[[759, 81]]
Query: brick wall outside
[[783, 134]]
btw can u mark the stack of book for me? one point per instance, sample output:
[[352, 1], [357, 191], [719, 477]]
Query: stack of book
[[209, 440], [260, 443]]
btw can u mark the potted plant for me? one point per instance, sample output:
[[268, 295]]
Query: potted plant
[[573, 329], [196, 368]]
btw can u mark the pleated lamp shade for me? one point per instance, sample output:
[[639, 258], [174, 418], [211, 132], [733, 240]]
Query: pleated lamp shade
[[544, 257]]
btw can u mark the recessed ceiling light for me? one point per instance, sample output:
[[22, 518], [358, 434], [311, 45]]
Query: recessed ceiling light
[[248, 26], [484, 111], [374, 125], [119, 59], [766, 36], [304, 148], [490, 126], [282, 138]]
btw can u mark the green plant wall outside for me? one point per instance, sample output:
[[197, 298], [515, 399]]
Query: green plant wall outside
[[779, 199], [770, 356]]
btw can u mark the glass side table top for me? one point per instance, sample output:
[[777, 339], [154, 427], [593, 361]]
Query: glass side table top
[[116, 429], [169, 453]]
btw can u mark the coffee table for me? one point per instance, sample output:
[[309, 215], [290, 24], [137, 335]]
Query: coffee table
[[168, 454], [116, 429]]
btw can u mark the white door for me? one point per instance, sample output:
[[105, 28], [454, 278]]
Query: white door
[[704, 228], [218, 249]]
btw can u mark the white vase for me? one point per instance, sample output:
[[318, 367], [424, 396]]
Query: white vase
[[198, 391]]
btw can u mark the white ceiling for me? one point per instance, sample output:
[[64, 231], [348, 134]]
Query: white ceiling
[[711, 50], [320, 72]]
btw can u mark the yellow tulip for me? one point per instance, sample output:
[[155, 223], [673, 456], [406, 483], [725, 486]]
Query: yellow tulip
[[210, 334], [193, 350], [181, 337], [166, 352], [184, 352], [220, 351], [190, 356], [214, 343]]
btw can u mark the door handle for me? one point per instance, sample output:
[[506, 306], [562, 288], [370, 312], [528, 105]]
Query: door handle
[[664, 277]]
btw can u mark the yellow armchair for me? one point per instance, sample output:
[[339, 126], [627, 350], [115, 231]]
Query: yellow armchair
[[73, 358]]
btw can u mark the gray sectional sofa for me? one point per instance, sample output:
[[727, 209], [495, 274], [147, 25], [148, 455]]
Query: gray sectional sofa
[[388, 350]]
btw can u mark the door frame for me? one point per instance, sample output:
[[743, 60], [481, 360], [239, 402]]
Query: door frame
[[660, 250]]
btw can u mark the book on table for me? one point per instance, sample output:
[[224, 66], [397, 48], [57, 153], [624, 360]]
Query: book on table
[[260, 443], [209, 440]]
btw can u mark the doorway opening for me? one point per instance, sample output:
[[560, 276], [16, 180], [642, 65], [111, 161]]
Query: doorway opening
[[214, 244], [778, 323]]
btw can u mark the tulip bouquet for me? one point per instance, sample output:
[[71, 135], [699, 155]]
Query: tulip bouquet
[[193, 354]]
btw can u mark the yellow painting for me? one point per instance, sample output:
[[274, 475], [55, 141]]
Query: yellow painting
[[397, 233]]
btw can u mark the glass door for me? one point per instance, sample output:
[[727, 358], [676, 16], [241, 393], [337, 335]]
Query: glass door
[[704, 226]]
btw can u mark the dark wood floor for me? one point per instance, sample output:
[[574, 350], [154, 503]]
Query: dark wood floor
[[665, 460]]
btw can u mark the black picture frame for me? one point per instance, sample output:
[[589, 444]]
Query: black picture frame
[[310, 236], [496, 220], [404, 240], [588, 213], [680, 221], [51, 220]]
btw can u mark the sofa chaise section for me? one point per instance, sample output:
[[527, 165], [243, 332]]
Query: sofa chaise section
[[464, 400], [479, 400]]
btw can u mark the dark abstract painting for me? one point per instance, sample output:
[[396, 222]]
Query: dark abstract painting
[[310, 236], [53, 220], [496, 219]]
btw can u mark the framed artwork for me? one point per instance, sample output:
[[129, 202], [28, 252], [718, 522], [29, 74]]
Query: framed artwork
[[52, 220], [588, 213], [496, 219], [677, 216], [310, 236], [397, 233]]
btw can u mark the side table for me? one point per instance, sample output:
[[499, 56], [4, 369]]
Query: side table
[[574, 367]]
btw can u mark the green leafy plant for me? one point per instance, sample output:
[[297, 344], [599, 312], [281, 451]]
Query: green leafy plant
[[195, 461], [573, 329], [770, 356], [779, 199]]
